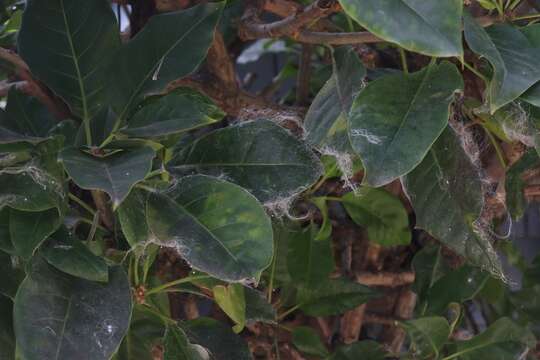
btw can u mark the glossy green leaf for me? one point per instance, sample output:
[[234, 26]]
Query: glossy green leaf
[[455, 287], [115, 174], [66, 45], [308, 341], [503, 340], [383, 215], [12, 275], [7, 338], [170, 46], [512, 55], [177, 346], [178, 111], [430, 28], [395, 120], [232, 301], [248, 154], [70, 255], [216, 338], [29, 230], [310, 260], [325, 122], [57, 316], [447, 176], [218, 227], [333, 297], [146, 330], [427, 335], [132, 216], [514, 184], [365, 350]]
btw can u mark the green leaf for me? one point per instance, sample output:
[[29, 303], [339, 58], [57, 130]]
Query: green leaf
[[383, 215], [325, 122], [309, 259], [218, 227], [429, 266], [258, 308], [447, 176], [6, 244], [249, 154], [115, 174], [395, 120], [232, 301], [432, 29], [333, 297], [66, 45], [146, 330], [503, 340], [132, 216], [455, 287], [326, 227], [7, 338], [532, 96], [170, 46], [25, 119], [12, 276], [71, 256], [217, 339], [308, 341], [512, 55], [178, 111], [57, 316], [427, 335], [365, 350], [29, 230], [178, 347]]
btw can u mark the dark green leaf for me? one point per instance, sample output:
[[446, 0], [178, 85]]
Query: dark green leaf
[[218, 227], [179, 111], [132, 216], [170, 46], [249, 154], [146, 330], [333, 297], [6, 244], [395, 120], [115, 174], [29, 230], [7, 338], [258, 308], [12, 276], [325, 121], [71, 256], [455, 287], [308, 341], [383, 215], [217, 338], [429, 266], [365, 350], [427, 335], [178, 347], [66, 44], [512, 55], [57, 316], [430, 28], [309, 259], [503, 340], [447, 176]]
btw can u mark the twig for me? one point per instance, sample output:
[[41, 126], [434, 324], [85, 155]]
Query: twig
[[386, 279], [252, 28], [105, 212], [304, 75]]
